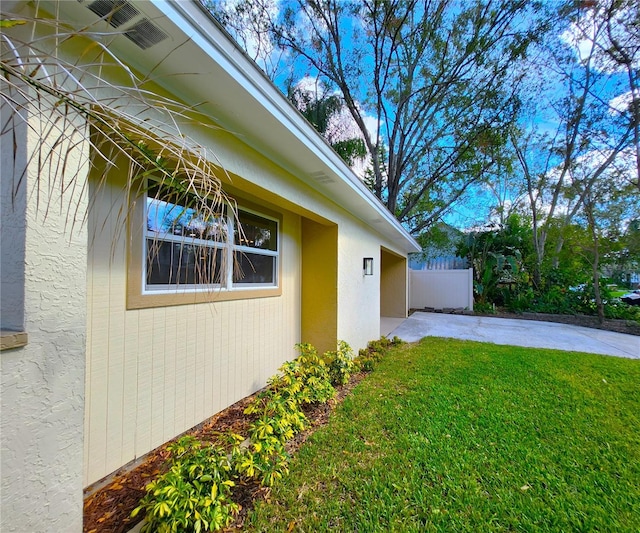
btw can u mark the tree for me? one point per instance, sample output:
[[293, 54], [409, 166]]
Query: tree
[[323, 110], [430, 85], [561, 167], [499, 255], [606, 207], [620, 49]]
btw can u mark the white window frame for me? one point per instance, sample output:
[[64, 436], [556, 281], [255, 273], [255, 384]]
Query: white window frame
[[229, 249]]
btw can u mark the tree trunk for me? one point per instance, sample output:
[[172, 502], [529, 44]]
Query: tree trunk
[[595, 264]]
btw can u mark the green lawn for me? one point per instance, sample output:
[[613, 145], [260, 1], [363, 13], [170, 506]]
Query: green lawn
[[457, 436], [617, 294]]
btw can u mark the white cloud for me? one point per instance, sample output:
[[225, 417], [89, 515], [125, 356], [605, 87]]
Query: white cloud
[[621, 103], [590, 30]]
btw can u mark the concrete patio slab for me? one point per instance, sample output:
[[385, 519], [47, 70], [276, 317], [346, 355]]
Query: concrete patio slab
[[388, 324], [529, 333]]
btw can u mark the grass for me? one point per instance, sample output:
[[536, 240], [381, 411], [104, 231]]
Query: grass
[[617, 294], [451, 435]]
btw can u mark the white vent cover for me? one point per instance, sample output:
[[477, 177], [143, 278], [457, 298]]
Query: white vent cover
[[117, 13], [145, 34], [321, 177]]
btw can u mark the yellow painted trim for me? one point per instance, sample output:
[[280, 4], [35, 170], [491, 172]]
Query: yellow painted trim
[[13, 339]]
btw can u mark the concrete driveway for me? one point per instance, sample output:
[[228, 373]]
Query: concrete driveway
[[516, 332]]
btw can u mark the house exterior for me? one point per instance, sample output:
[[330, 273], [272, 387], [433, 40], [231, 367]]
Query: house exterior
[[105, 356]]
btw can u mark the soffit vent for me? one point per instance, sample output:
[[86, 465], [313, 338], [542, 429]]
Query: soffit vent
[[321, 177], [145, 34], [115, 12]]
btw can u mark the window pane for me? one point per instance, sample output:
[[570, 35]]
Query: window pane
[[257, 232], [166, 218], [174, 263], [254, 268]]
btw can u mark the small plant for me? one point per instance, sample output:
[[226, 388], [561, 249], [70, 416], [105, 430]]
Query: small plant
[[375, 351], [304, 380], [341, 364], [266, 460], [315, 375], [194, 494], [484, 307], [365, 363]]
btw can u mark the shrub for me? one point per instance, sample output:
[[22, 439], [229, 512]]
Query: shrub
[[314, 375], [305, 380], [266, 460], [620, 310], [484, 307], [194, 494], [340, 364], [375, 351]]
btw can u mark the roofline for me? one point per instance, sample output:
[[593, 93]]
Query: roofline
[[270, 97]]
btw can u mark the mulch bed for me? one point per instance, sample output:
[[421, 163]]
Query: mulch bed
[[109, 502]]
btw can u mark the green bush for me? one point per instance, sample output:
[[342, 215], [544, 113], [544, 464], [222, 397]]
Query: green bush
[[194, 494], [340, 363], [375, 351], [484, 307], [619, 310], [305, 380], [519, 300]]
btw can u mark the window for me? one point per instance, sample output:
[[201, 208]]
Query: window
[[14, 160], [187, 252]]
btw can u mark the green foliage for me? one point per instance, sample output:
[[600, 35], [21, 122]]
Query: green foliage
[[341, 364], [484, 307], [499, 257], [350, 150], [580, 300], [374, 352], [266, 459], [194, 494], [4, 23], [617, 309], [502, 258], [303, 381], [320, 108], [315, 376]]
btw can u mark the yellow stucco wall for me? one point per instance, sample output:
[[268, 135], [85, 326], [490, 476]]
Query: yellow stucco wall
[[393, 290], [319, 285]]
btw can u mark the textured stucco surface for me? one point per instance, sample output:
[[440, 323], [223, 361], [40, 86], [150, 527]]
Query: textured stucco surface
[[42, 384]]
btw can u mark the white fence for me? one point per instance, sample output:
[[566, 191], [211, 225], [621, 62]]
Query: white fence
[[441, 289]]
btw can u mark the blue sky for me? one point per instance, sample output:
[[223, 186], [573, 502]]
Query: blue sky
[[543, 117]]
